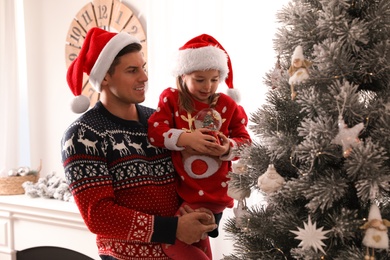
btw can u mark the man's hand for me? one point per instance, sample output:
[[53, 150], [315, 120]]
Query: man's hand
[[208, 221], [185, 209], [190, 228]]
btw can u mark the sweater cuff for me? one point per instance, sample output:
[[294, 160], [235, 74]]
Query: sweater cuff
[[164, 230], [170, 139], [232, 152]]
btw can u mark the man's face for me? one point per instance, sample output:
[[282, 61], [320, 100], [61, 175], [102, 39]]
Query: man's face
[[128, 82]]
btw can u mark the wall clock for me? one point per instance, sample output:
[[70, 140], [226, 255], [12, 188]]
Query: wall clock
[[110, 15]]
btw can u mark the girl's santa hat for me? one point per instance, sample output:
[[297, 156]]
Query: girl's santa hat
[[99, 50], [205, 53]]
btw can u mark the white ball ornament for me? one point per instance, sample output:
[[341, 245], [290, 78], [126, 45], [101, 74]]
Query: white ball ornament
[[79, 104], [23, 171], [13, 172]]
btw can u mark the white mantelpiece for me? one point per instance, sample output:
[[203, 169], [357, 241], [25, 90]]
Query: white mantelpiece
[[33, 222]]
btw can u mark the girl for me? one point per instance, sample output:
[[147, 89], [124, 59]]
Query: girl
[[201, 155]]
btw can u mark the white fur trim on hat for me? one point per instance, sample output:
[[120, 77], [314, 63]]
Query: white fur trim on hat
[[234, 94], [107, 56], [201, 59]]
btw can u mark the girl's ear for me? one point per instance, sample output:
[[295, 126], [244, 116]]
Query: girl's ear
[[183, 78]]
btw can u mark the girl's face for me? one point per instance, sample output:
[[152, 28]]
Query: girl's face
[[202, 84]]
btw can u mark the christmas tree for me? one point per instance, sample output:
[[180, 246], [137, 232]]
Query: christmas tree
[[321, 155]]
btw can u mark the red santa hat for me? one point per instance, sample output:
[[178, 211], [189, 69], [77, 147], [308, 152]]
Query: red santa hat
[[205, 53], [99, 49]]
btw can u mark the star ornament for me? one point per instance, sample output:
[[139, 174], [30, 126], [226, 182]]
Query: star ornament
[[348, 137], [311, 236]]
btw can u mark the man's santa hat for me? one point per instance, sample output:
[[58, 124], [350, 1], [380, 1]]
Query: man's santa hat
[[99, 49], [205, 53]]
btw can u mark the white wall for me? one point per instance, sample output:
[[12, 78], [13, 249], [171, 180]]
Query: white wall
[[245, 28]]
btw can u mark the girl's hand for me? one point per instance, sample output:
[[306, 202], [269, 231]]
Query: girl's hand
[[201, 141], [197, 140], [221, 149]]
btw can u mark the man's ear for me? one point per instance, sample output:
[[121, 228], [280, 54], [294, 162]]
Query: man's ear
[[105, 79]]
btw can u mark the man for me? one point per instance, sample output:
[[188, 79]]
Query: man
[[123, 186]]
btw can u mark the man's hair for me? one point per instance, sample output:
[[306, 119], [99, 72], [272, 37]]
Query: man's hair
[[133, 47]]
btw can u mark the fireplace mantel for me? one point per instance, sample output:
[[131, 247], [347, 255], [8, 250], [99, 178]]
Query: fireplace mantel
[[34, 222]]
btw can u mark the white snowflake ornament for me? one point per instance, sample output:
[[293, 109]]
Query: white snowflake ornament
[[347, 137], [311, 236], [270, 181]]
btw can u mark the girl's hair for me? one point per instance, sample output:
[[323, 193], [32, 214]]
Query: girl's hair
[[185, 101], [133, 47]]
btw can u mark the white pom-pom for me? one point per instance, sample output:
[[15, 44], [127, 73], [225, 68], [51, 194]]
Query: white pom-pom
[[234, 94], [79, 104]]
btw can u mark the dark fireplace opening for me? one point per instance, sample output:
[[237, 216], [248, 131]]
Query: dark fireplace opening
[[50, 253]]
